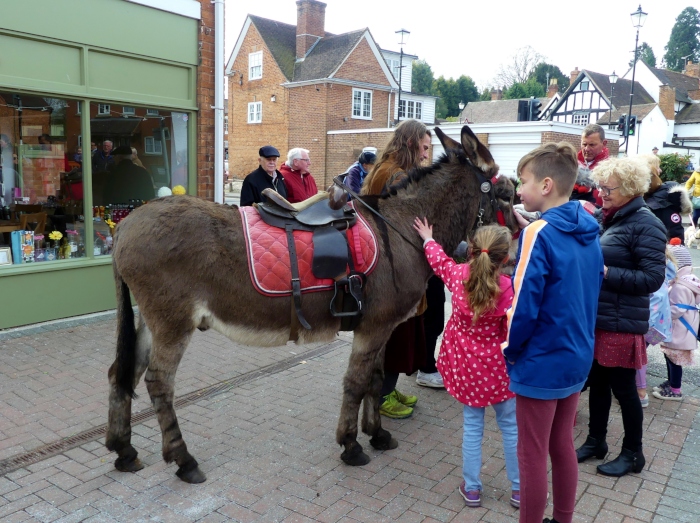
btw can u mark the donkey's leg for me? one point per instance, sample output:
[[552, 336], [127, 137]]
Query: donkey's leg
[[371, 420], [119, 418], [365, 350], [160, 382]]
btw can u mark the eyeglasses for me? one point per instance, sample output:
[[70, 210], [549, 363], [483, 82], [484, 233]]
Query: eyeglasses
[[607, 190], [303, 159]]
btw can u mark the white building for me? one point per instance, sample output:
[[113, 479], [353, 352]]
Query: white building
[[414, 106]]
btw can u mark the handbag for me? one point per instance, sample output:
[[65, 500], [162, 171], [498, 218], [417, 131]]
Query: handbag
[[696, 202]]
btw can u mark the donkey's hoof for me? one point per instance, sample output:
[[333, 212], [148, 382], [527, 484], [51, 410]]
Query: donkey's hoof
[[128, 464], [191, 475], [384, 444], [354, 456]]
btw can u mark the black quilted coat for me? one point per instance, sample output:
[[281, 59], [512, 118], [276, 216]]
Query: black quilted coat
[[634, 247]]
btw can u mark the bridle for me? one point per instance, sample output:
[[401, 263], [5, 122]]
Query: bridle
[[488, 195]]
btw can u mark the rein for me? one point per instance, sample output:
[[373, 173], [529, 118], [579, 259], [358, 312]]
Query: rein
[[337, 181]]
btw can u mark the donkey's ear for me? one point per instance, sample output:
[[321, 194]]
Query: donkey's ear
[[446, 141], [477, 152]]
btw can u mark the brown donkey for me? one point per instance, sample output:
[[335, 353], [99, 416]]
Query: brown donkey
[[184, 260]]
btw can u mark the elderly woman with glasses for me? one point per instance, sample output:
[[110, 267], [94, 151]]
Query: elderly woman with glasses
[[633, 242]]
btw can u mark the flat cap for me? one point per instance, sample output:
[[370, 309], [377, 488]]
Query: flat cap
[[267, 150]]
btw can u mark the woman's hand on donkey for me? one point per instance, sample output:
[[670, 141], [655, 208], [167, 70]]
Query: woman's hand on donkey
[[425, 231]]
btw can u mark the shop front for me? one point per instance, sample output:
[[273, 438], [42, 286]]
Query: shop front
[[98, 116]]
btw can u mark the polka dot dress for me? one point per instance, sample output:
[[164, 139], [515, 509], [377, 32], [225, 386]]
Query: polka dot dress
[[470, 361]]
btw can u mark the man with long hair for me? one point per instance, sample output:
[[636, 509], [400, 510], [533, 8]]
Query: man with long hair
[[406, 349]]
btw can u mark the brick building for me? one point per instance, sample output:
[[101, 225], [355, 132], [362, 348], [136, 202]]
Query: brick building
[[289, 85]]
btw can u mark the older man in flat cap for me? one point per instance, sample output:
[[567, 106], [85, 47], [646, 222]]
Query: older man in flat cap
[[264, 177]]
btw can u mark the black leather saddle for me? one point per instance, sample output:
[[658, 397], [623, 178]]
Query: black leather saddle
[[332, 257]]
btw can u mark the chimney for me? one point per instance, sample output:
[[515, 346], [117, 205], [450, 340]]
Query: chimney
[[553, 88], [311, 19], [694, 94], [692, 69], [496, 94], [667, 101], [574, 75]]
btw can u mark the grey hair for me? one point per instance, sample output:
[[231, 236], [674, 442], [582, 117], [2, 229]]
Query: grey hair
[[594, 128], [293, 154]]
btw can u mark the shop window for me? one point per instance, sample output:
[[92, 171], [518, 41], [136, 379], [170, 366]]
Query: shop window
[[41, 190], [136, 160]]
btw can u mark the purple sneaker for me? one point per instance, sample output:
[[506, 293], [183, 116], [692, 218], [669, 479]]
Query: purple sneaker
[[472, 498], [515, 498]]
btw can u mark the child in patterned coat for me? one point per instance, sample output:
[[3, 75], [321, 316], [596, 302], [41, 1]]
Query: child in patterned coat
[[470, 361]]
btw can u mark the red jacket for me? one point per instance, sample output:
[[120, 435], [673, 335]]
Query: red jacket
[[583, 189], [299, 186]]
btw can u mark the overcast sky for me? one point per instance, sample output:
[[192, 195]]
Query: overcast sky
[[474, 37]]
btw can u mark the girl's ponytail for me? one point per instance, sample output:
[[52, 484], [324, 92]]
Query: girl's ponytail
[[489, 248]]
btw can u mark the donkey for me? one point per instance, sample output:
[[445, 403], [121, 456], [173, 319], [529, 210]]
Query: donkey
[[184, 260]]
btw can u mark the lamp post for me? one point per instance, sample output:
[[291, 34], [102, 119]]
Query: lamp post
[[461, 108], [638, 19], [613, 80], [403, 34]]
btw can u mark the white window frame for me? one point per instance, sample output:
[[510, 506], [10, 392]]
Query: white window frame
[[79, 107], [128, 110], [103, 110], [363, 111], [584, 83], [225, 124], [152, 112], [395, 66], [255, 112], [255, 65], [80, 141], [419, 111], [580, 119], [151, 146]]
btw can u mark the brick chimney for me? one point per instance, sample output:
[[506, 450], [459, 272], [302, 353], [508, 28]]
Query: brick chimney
[[311, 21], [553, 88], [496, 94], [694, 94], [667, 101], [692, 69], [574, 75]]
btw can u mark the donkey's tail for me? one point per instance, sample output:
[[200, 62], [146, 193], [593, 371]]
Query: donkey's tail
[[126, 338]]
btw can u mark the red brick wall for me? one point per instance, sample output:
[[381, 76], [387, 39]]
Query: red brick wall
[[311, 17], [245, 139], [205, 101], [362, 66], [308, 107], [667, 101]]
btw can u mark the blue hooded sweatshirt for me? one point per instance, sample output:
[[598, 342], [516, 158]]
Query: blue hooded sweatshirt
[[551, 324]]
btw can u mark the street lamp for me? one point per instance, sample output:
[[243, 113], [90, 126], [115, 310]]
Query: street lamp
[[461, 108], [403, 34], [613, 80], [638, 19]]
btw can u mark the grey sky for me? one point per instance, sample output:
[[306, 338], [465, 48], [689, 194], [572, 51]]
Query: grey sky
[[474, 37]]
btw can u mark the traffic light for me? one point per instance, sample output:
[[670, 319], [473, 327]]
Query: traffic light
[[621, 122], [523, 110], [632, 125], [534, 109]]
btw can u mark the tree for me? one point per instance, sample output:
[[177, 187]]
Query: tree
[[646, 55], [531, 88], [449, 95], [485, 94], [684, 40], [543, 70], [466, 90], [520, 68], [422, 78]]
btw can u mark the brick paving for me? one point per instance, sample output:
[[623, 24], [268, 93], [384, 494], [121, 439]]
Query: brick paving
[[267, 446]]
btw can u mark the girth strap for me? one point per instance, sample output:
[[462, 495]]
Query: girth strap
[[296, 283]]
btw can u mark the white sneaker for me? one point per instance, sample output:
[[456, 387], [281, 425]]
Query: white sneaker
[[433, 380]]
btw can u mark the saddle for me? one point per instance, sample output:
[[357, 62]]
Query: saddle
[[332, 254]]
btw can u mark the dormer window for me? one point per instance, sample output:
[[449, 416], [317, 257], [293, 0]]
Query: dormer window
[[255, 66]]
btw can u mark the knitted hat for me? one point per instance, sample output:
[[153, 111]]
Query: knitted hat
[[680, 252]]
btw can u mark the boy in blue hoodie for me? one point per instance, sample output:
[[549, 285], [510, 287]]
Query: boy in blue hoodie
[[551, 325]]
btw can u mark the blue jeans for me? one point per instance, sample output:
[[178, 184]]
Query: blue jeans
[[472, 440]]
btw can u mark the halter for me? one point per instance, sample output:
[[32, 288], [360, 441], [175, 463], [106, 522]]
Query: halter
[[488, 195]]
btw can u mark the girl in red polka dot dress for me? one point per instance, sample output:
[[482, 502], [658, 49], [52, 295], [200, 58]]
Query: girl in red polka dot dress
[[470, 362]]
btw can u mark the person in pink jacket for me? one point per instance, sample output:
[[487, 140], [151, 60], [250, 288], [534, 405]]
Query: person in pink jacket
[[470, 361], [685, 299]]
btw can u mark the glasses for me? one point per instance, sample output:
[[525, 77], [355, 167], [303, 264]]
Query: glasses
[[607, 190], [303, 159]]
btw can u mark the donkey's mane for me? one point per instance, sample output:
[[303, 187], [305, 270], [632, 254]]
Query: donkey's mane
[[417, 174]]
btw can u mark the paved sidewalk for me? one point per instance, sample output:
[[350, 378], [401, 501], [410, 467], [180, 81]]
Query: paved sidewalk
[[263, 429]]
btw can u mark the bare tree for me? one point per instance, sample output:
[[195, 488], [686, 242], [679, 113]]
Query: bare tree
[[519, 69]]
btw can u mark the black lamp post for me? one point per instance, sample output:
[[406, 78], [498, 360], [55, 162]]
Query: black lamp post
[[461, 108], [638, 19], [403, 34], [613, 80]]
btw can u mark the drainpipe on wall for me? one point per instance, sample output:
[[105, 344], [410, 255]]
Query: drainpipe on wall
[[388, 113], [218, 100]]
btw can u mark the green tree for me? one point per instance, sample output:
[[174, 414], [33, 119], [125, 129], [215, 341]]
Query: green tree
[[543, 71], [449, 94], [524, 90], [466, 90], [646, 55], [684, 40], [673, 166], [485, 94], [422, 78]]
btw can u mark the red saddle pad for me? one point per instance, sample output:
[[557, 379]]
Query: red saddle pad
[[268, 255]]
